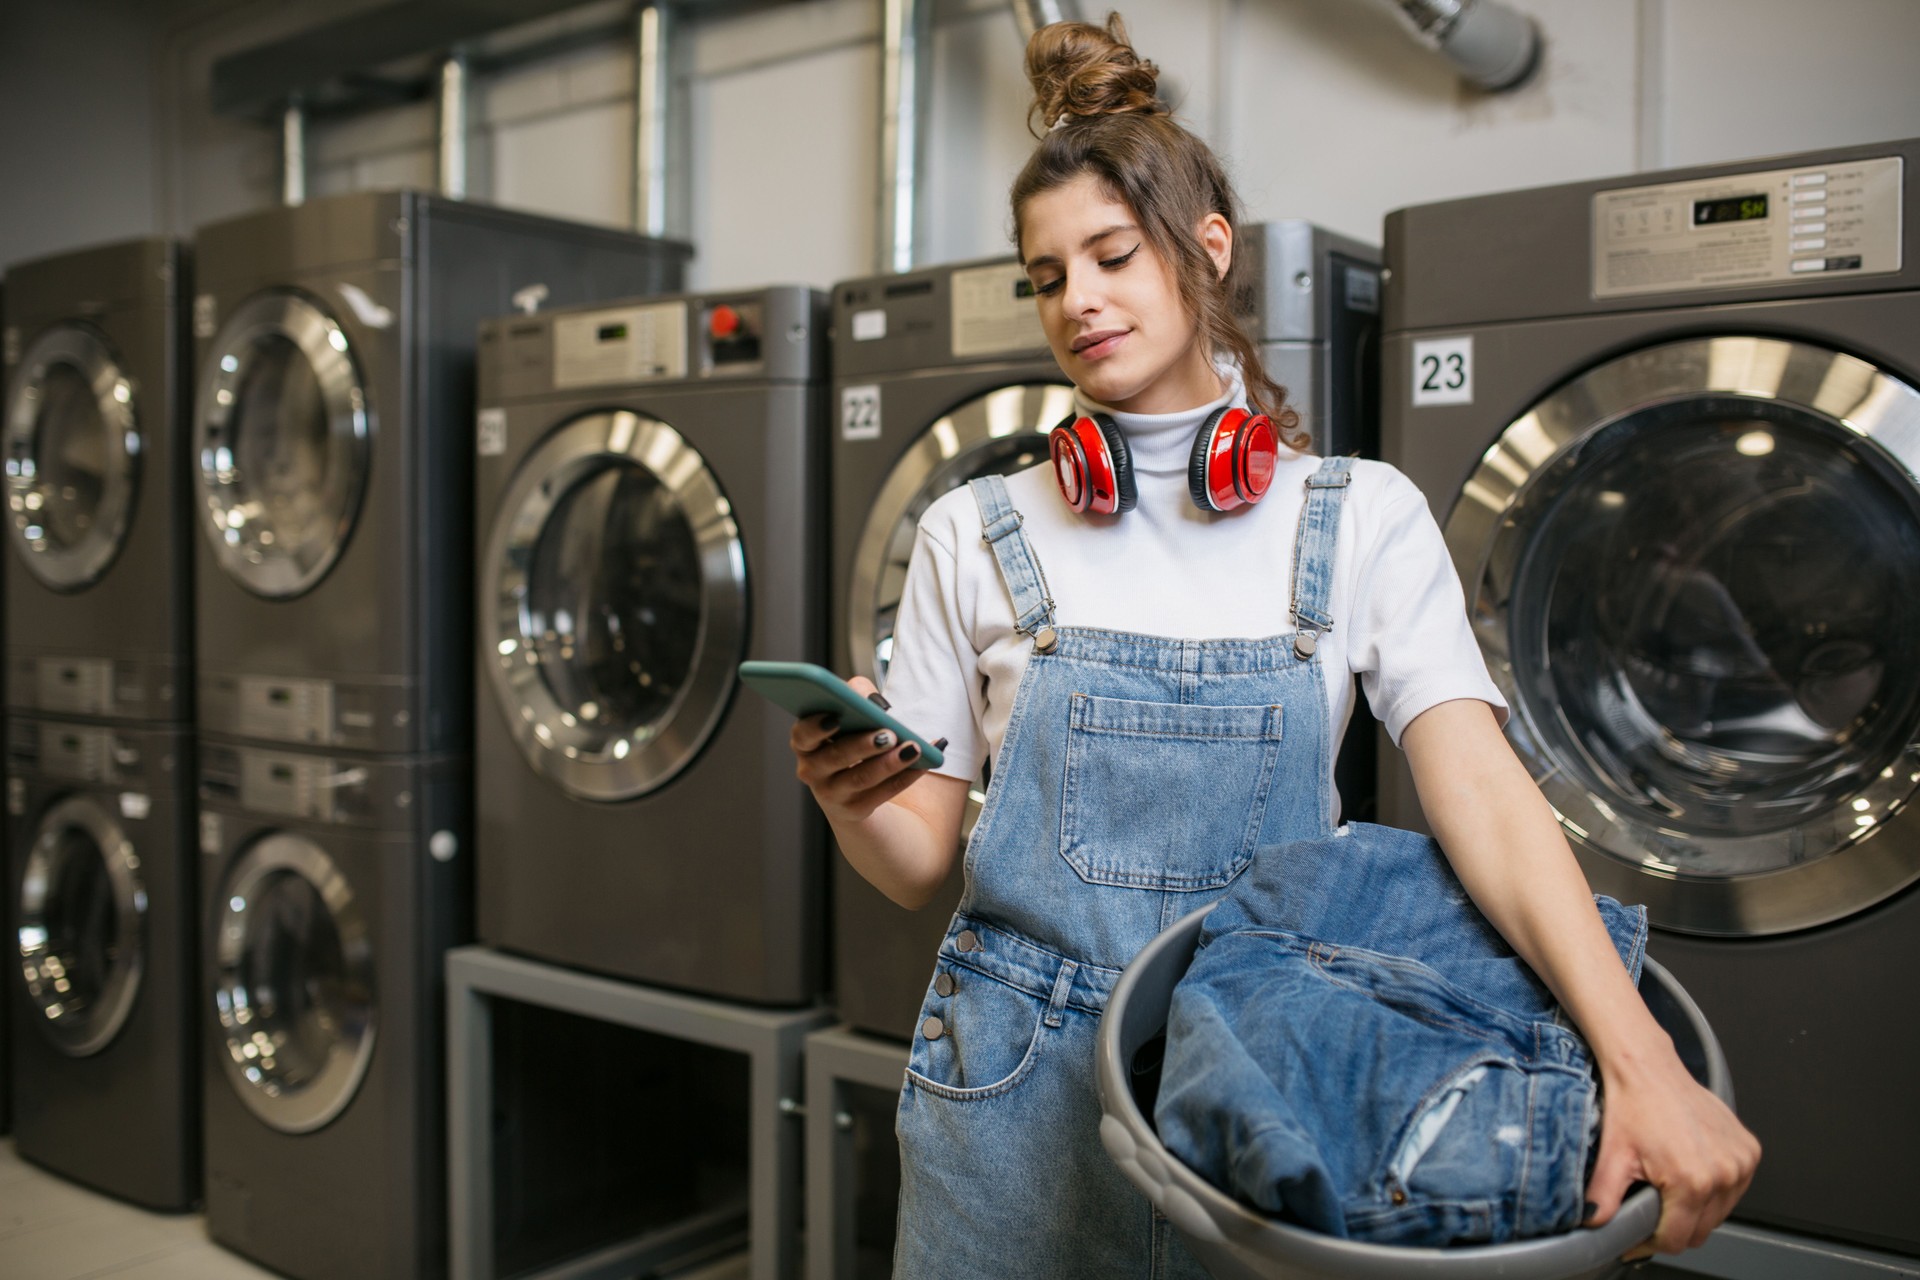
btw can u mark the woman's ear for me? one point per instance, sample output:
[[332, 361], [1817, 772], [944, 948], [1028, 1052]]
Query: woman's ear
[[1216, 236]]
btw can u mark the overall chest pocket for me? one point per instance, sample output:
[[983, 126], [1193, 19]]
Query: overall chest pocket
[[1165, 795]]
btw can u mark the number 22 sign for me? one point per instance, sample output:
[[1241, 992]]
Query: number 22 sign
[[1443, 371]]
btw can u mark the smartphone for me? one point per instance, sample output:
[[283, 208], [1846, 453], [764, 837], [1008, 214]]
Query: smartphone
[[809, 690]]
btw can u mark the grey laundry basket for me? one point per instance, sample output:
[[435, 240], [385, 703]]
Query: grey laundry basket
[[1235, 1242]]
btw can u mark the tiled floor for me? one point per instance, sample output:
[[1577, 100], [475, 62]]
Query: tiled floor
[[51, 1229]]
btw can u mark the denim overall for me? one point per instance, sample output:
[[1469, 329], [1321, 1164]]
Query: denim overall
[[1137, 777]]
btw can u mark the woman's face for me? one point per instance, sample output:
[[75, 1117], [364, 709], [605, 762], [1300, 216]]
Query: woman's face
[[1109, 303]]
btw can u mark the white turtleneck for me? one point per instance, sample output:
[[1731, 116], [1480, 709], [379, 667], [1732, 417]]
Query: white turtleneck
[[1166, 568]]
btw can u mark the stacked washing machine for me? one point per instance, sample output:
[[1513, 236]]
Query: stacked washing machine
[[100, 867], [1671, 425], [333, 433], [649, 505], [942, 375]]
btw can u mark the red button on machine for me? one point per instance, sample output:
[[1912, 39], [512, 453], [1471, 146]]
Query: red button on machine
[[723, 321]]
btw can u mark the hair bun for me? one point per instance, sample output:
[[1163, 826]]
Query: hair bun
[[1078, 69]]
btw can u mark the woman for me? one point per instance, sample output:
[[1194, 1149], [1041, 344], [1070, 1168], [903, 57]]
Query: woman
[[1159, 677]]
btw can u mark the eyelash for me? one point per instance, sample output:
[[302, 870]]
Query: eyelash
[[1112, 264]]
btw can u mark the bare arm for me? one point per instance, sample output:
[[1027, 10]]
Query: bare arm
[[899, 826], [1508, 850]]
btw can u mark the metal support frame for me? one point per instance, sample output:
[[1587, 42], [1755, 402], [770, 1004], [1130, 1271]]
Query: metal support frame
[[1736, 1251], [771, 1039], [838, 1056]]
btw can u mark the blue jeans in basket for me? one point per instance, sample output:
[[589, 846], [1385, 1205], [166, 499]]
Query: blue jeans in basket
[[1357, 1050]]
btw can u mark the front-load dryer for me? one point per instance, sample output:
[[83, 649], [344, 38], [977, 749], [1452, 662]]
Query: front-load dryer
[[650, 491], [96, 483], [942, 375], [101, 967], [1670, 424], [332, 444], [332, 885]]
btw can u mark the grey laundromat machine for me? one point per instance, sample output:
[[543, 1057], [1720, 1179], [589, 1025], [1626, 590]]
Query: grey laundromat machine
[[1671, 426], [941, 375], [333, 438]]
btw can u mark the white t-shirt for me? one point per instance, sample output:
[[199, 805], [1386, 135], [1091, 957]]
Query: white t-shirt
[[1166, 568]]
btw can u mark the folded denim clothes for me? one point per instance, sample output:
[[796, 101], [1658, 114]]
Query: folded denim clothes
[[1357, 1050]]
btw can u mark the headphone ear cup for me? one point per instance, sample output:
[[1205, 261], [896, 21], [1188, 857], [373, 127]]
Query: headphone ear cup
[[1123, 488], [1197, 462]]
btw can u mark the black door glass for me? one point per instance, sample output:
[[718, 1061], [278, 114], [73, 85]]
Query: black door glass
[[614, 599], [71, 452], [82, 920], [298, 999], [1711, 623], [281, 444]]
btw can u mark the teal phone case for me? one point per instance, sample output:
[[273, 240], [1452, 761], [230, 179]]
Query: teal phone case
[[808, 690]]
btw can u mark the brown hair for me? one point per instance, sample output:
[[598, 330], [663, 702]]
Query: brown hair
[[1095, 112]]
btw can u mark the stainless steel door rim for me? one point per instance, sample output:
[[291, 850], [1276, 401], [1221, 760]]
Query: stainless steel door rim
[[571, 724], [66, 535], [77, 842], [294, 983], [1707, 701], [279, 498]]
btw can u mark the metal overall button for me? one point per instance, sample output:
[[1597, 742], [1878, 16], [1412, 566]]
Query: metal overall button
[[933, 1028], [968, 941], [945, 985]]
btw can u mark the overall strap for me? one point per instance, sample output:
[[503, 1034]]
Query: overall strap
[[1313, 551], [1000, 529]]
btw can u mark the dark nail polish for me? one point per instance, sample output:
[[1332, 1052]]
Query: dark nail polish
[[831, 724], [910, 752], [883, 739], [940, 744], [879, 701], [1591, 1208]]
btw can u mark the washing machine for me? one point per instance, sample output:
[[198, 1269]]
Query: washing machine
[[942, 375], [332, 439], [650, 493], [332, 885], [101, 972], [97, 516], [1670, 424]]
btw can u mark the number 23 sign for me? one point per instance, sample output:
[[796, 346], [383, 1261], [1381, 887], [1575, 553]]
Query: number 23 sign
[[1443, 371]]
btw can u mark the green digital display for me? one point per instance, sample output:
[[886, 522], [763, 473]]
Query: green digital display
[[1729, 209]]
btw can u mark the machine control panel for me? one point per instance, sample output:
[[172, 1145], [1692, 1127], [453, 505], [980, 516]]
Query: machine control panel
[[1770, 225], [993, 312], [620, 345]]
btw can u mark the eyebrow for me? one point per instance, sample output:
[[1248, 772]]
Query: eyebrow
[[1049, 260]]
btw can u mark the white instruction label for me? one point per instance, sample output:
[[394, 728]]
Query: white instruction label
[[620, 345], [868, 325], [490, 433], [135, 805], [993, 312], [860, 413], [1443, 371]]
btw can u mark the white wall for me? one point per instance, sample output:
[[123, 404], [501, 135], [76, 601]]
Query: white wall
[[1322, 108]]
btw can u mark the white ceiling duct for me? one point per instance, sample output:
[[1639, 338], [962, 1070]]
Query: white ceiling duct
[[1490, 44]]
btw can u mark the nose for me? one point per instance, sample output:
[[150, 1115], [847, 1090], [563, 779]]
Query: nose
[[1080, 293]]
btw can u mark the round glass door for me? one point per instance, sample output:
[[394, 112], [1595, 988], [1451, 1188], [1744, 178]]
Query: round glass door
[[616, 584], [293, 983], [1695, 572], [282, 443], [73, 452], [1000, 432], [82, 926]]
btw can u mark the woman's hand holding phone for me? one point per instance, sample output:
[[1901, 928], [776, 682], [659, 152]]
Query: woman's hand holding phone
[[852, 773]]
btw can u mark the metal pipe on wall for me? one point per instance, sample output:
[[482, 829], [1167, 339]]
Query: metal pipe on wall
[[453, 126], [1489, 43], [293, 153], [1031, 15], [903, 97], [653, 34]]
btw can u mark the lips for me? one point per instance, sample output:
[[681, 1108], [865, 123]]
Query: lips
[[1101, 342]]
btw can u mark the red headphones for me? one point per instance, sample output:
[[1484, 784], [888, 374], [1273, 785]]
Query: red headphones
[[1234, 454]]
